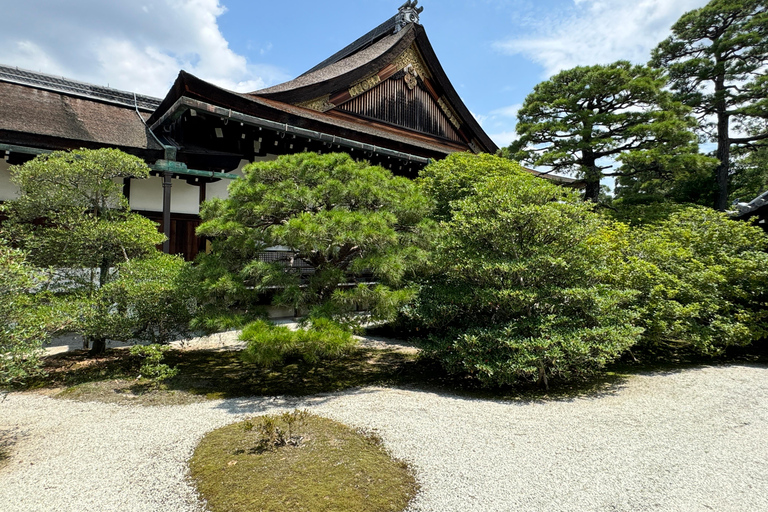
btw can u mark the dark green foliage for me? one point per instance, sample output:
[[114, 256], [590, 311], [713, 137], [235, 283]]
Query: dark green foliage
[[589, 119], [646, 182], [225, 300], [642, 213], [152, 366], [343, 218], [71, 213], [702, 280], [715, 60], [22, 331], [147, 301], [750, 175], [519, 288], [269, 344]]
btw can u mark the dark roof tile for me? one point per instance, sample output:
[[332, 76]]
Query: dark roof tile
[[75, 88], [337, 68], [42, 112]]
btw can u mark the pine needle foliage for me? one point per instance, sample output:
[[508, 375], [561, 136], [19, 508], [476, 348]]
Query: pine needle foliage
[[347, 221]]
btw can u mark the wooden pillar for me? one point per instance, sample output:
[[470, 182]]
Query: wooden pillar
[[127, 189], [201, 241], [202, 184], [167, 211]]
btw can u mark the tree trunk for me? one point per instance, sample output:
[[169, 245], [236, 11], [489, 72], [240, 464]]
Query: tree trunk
[[98, 347], [592, 191], [103, 273], [592, 177], [724, 155], [723, 139], [543, 379]]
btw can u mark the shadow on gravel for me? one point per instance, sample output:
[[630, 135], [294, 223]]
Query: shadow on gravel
[[210, 374], [8, 437]]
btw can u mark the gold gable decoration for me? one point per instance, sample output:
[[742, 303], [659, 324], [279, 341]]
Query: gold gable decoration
[[364, 85], [412, 63], [449, 112], [412, 57], [321, 104]]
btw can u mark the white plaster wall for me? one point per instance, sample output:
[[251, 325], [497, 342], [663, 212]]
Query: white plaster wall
[[185, 198], [219, 188], [148, 195], [8, 190]]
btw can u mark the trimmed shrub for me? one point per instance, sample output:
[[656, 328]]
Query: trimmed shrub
[[522, 287], [148, 301], [269, 344], [152, 366], [703, 281]]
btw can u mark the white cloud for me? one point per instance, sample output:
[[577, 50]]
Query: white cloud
[[500, 124], [133, 46], [598, 32], [509, 111], [503, 139]]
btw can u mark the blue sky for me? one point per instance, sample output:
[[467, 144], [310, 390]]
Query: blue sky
[[494, 51]]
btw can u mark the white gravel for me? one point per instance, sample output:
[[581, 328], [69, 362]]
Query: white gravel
[[228, 340], [689, 441]]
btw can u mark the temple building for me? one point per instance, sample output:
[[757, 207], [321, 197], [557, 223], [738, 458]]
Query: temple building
[[755, 211], [384, 98]]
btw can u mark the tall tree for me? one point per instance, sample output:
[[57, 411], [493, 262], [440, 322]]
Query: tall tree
[[71, 216], [716, 60], [71, 213], [586, 119]]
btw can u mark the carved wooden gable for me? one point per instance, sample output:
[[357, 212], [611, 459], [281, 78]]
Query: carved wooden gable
[[405, 100]]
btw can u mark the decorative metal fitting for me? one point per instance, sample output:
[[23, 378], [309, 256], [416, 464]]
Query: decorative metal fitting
[[408, 13]]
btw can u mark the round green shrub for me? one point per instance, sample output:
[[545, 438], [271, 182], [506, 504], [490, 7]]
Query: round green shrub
[[269, 344], [522, 286], [702, 281]]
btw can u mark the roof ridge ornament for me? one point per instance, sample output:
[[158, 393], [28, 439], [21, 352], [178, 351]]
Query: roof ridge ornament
[[408, 13]]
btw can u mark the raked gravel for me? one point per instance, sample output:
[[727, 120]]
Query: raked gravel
[[694, 440]]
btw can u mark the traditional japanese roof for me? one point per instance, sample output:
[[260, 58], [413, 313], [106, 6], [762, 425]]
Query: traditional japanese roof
[[555, 178], [754, 207], [386, 89], [190, 92], [74, 88], [365, 71], [47, 112]]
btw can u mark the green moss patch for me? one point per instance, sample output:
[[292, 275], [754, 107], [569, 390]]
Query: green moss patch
[[327, 467]]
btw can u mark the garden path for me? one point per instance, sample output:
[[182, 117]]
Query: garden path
[[691, 440]]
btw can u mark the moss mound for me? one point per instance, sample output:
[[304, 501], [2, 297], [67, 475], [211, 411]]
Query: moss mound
[[314, 464]]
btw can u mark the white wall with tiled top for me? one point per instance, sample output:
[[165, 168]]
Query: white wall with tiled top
[[219, 188], [147, 194]]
